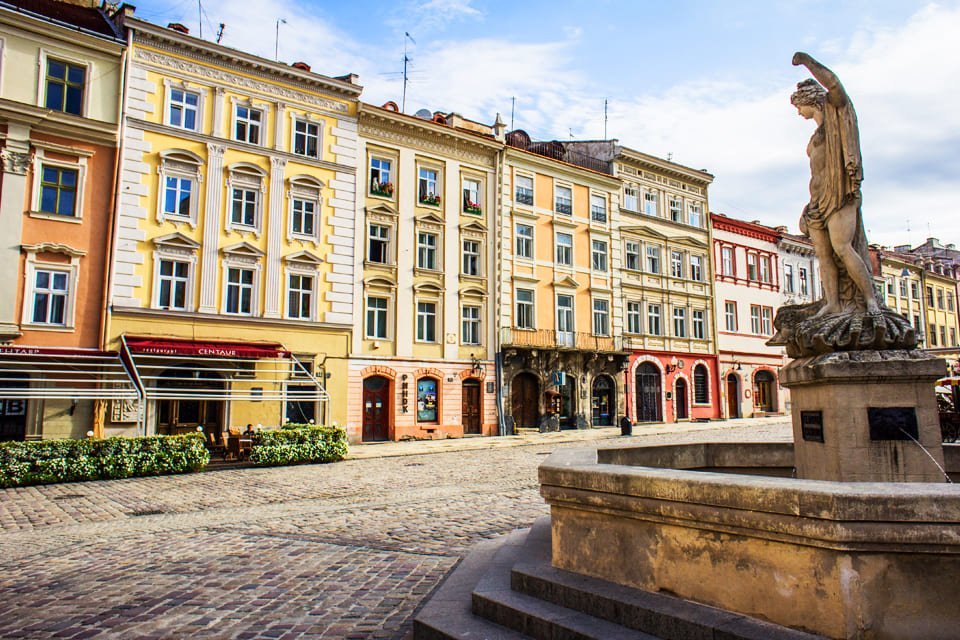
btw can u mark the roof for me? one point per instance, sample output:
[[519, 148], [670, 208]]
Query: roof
[[67, 14]]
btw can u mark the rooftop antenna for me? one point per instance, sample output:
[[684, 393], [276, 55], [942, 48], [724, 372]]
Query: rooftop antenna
[[200, 15], [604, 118], [406, 60], [220, 32], [669, 156], [570, 131], [513, 106], [276, 42]]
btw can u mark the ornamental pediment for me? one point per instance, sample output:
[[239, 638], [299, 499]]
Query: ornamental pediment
[[381, 210], [644, 230], [430, 217], [242, 250], [687, 240], [176, 241], [473, 226], [304, 258], [566, 282]]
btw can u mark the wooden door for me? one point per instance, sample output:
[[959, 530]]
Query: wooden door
[[649, 393], [525, 401], [680, 399], [470, 407], [376, 409], [733, 396]]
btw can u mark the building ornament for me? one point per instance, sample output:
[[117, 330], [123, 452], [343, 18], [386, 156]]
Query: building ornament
[[15, 162], [426, 143]]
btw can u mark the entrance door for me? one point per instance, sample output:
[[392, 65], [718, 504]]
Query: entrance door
[[602, 402], [13, 413], [680, 399], [568, 402], [648, 393], [376, 409], [763, 394], [525, 400], [471, 407], [183, 415], [733, 396]]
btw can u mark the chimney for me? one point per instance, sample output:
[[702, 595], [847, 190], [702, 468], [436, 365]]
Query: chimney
[[951, 246], [179, 28], [935, 243], [303, 66], [499, 129]]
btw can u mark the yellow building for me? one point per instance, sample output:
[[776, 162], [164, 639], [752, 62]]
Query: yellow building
[[231, 290], [900, 282], [939, 295], [422, 363]]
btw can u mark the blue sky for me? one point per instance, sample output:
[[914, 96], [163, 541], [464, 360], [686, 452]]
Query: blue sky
[[707, 83]]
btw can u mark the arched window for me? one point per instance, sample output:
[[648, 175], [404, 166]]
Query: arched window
[[427, 392], [701, 385]]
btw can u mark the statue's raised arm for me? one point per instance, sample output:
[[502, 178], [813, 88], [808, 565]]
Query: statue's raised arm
[[835, 91]]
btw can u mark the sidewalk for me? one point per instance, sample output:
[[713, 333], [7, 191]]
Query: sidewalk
[[420, 447]]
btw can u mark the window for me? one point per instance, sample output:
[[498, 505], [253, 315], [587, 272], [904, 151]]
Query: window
[[676, 210], [176, 197], [471, 196], [650, 203], [304, 217], [933, 335], [377, 318], [653, 319], [173, 280], [179, 186], [299, 296], [632, 255], [767, 316], [949, 300], [58, 190], [903, 287], [183, 109], [50, 297], [695, 215], [631, 200], [916, 327], [523, 189], [426, 322], [427, 186], [470, 324], [930, 297], [680, 322], [752, 266], [788, 278], [380, 177], [804, 283], [563, 200], [940, 299], [653, 259], [765, 273], [953, 337], [730, 315], [943, 335], [471, 258], [889, 285], [701, 385], [726, 261], [565, 315], [754, 319], [378, 243], [65, 85], [525, 241], [247, 124], [239, 291], [245, 204], [601, 317], [599, 255], [427, 400], [633, 317], [306, 138], [915, 290], [524, 318], [696, 268], [699, 331], [564, 249], [676, 264], [598, 208], [427, 251]]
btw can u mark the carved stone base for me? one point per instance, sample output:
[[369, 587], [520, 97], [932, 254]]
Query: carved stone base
[[804, 334]]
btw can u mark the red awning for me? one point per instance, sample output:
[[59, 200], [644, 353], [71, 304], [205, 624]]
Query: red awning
[[170, 347]]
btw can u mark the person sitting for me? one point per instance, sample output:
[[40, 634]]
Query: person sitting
[[249, 431]]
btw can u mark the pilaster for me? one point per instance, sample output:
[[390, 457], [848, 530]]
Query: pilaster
[[211, 228], [274, 282], [16, 159]]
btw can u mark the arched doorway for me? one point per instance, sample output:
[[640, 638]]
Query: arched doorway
[[13, 411], [764, 391], [376, 409], [680, 399], [649, 392], [602, 401], [189, 409], [733, 396], [525, 400], [470, 407]]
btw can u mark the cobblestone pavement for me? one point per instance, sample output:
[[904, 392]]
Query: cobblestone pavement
[[346, 550]]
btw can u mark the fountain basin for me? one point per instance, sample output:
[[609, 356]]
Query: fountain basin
[[720, 524]]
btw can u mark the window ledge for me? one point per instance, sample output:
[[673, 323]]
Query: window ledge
[[43, 215], [305, 238], [47, 327]]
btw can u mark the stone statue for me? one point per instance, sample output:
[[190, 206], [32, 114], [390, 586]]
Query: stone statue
[[849, 316]]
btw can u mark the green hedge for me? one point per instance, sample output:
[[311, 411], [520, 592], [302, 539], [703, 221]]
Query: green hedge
[[298, 443], [47, 461]]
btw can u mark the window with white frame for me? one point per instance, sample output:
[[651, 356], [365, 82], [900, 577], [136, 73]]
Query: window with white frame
[[183, 109], [631, 254], [524, 299], [178, 192], [472, 191], [752, 273], [888, 281], [804, 284], [300, 296], [676, 209], [427, 250], [903, 287], [766, 275], [695, 214], [767, 320], [730, 315], [696, 268], [471, 258], [634, 321], [65, 84], [701, 385], [304, 217], [653, 258], [650, 203], [726, 261], [698, 324], [426, 321], [239, 291], [428, 186], [631, 198], [598, 259], [598, 208], [173, 284], [653, 320], [381, 177], [523, 189], [788, 285], [378, 243], [565, 317], [601, 317], [676, 264], [179, 186], [59, 190], [524, 241], [564, 249], [246, 203], [51, 295], [680, 322], [755, 319], [247, 123], [563, 200], [306, 138], [470, 324], [377, 309]]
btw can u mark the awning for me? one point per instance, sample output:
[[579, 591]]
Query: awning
[[173, 369], [76, 374]]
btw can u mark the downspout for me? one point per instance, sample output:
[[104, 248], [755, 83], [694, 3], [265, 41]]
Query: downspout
[[497, 292]]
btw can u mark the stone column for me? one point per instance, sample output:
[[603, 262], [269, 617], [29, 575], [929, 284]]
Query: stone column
[[211, 229], [274, 229], [16, 159]]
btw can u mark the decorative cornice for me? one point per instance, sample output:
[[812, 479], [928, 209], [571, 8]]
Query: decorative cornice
[[744, 228], [230, 320], [53, 247], [428, 136]]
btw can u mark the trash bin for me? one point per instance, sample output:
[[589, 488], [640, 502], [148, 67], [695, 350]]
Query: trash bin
[[626, 427]]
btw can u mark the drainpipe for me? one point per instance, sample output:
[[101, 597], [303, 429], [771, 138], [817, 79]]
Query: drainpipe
[[498, 271]]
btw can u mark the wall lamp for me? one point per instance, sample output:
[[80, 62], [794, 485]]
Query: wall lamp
[[674, 365]]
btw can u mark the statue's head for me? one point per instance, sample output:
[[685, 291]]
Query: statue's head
[[809, 97]]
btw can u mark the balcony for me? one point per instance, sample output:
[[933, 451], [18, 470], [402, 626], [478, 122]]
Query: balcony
[[598, 214], [550, 339], [563, 207], [524, 196]]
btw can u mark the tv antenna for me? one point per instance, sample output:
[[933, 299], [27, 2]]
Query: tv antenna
[[220, 32], [200, 16], [604, 118], [406, 61], [513, 107]]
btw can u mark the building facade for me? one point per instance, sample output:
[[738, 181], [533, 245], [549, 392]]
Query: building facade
[[748, 293], [233, 267], [60, 78]]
